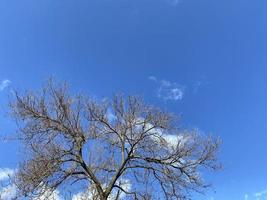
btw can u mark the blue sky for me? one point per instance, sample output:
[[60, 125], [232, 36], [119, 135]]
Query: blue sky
[[204, 60]]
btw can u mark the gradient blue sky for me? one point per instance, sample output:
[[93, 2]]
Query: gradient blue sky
[[202, 59]]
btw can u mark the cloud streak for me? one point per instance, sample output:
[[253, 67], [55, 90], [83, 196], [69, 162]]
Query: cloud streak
[[168, 90], [5, 83]]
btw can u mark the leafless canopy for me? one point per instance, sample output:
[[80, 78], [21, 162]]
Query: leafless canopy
[[118, 149]]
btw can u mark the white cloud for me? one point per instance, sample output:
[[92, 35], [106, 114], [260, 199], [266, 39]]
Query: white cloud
[[5, 83], [82, 196], [246, 196], [89, 193], [174, 140], [110, 116], [168, 90], [6, 173], [48, 195], [174, 2], [260, 195], [197, 85], [8, 192], [152, 78], [125, 185]]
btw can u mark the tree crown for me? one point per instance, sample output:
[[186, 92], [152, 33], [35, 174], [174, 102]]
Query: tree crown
[[116, 149]]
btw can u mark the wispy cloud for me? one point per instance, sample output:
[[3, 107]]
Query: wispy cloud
[[197, 85], [152, 78], [168, 90], [49, 195], [125, 184], [174, 2], [246, 197], [5, 83], [8, 192], [5, 173], [261, 195], [110, 116]]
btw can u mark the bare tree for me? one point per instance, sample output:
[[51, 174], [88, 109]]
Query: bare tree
[[117, 149]]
